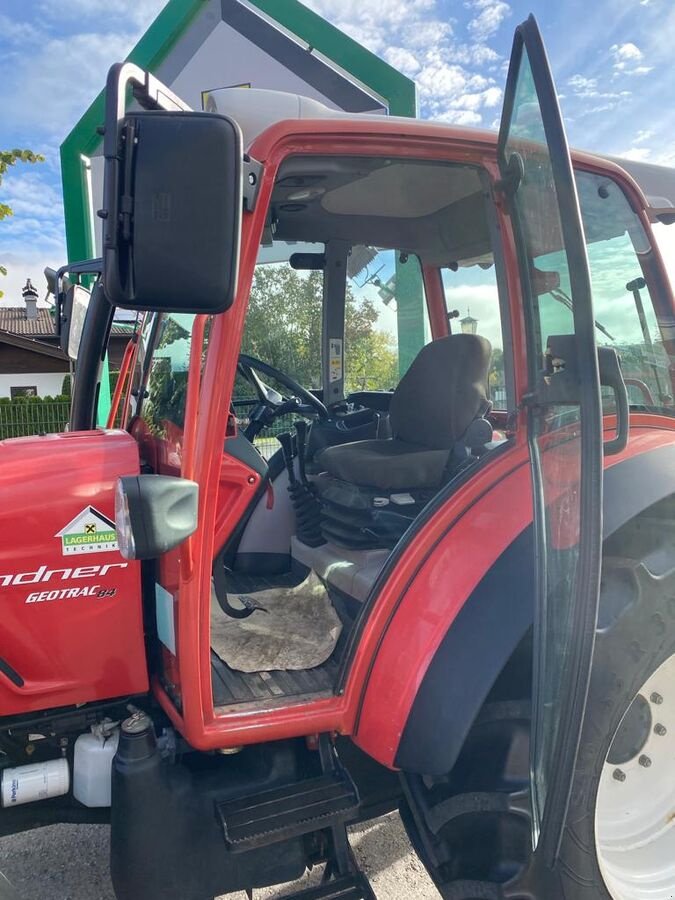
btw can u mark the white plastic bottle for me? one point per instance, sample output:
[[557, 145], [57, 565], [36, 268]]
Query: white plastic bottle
[[92, 765]]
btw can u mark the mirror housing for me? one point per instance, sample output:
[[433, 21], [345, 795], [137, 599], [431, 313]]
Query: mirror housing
[[154, 514], [73, 314], [173, 198]]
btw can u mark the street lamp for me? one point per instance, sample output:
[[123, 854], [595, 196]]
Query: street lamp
[[468, 324]]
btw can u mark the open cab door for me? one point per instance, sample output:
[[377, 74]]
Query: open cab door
[[560, 412], [564, 425]]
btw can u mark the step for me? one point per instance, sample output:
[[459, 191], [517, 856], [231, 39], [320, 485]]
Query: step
[[348, 887], [276, 815], [472, 890]]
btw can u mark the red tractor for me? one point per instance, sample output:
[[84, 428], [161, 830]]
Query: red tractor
[[453, 593]]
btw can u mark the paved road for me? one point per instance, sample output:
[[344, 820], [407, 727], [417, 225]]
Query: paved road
[[70, 862]]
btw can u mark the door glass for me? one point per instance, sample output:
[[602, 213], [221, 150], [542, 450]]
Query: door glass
[[626, 314], [559, 434]]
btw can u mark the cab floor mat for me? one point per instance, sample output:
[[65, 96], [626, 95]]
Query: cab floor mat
[[290, 628]]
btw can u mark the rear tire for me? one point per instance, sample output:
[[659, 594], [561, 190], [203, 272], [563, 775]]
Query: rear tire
[[624, 784]]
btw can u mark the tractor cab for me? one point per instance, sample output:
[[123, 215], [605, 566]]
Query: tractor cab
[[369, 381]]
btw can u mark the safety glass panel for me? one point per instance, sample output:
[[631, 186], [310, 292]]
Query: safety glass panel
[[550, 250]]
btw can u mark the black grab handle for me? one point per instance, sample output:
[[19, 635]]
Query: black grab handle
[[612, 376]]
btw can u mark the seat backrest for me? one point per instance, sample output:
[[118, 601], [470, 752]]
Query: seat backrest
[[442, 392]]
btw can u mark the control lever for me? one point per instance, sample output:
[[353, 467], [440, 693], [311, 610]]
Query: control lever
[[286, 441], [302, 432]]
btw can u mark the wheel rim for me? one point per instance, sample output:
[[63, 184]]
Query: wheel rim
[[635, 804]]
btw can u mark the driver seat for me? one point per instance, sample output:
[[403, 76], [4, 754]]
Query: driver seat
[[432, 414]]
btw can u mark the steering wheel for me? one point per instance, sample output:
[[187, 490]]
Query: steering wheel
[[273, 404]]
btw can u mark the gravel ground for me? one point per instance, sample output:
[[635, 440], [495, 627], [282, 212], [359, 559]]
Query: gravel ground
[[70, 862]]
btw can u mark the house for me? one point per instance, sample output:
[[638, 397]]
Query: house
[[31, 361]]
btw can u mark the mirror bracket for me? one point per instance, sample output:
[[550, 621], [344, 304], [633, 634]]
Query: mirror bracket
[[252, 175]]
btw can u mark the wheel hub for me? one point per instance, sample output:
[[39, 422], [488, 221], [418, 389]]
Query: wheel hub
[[635, 804]]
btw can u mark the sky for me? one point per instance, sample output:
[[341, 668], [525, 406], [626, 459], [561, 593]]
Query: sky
[[612, 61]]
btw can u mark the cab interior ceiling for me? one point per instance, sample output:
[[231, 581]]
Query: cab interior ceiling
[[434, 210]]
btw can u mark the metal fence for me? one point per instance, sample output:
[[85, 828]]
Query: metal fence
[[22, 418]]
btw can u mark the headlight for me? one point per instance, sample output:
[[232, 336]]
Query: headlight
[[154, 514], [125, 535]]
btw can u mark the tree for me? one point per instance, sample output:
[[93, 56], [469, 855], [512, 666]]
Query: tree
[[283, 328], [10, 158]]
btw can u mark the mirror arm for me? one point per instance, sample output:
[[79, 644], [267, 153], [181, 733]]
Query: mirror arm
[[147, 90], [85, 267]]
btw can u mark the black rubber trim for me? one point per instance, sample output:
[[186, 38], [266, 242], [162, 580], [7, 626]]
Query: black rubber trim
[[635, 484], [10, 673], [93, 345]]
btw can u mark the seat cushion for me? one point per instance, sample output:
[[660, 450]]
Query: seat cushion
[[392, 465]]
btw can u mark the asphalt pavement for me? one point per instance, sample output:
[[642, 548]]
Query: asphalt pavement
[[70, 862]]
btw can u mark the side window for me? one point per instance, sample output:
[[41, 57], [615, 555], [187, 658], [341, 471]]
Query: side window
[[163, 405], [623, 305], [472, 303], [386, 321]]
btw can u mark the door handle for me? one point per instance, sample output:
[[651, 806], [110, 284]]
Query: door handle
[[611, 376]]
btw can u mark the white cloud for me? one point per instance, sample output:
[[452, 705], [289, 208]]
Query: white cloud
[[492, 96], [627, 58], [460, 117], [587, 90], [69, 73], [582, 86], [644, 135], [491, 14], [626, 52], [639, 154], [15, 32], [453, 76], [133, 14], [403, 60]]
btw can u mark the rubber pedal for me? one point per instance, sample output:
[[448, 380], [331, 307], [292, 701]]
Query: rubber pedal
[[282, 813]]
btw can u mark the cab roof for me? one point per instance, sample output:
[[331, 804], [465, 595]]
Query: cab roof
[[257, 110]]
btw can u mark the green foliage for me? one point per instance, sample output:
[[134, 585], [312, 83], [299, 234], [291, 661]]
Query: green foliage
[[283, 328], [167, 384], [10, 158], [25, 416]]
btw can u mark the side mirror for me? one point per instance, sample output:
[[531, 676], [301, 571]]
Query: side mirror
[[73, 313], [173, 198], [154, 514]]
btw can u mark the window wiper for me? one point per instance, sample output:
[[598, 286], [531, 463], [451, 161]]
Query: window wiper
[[560, 295]]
